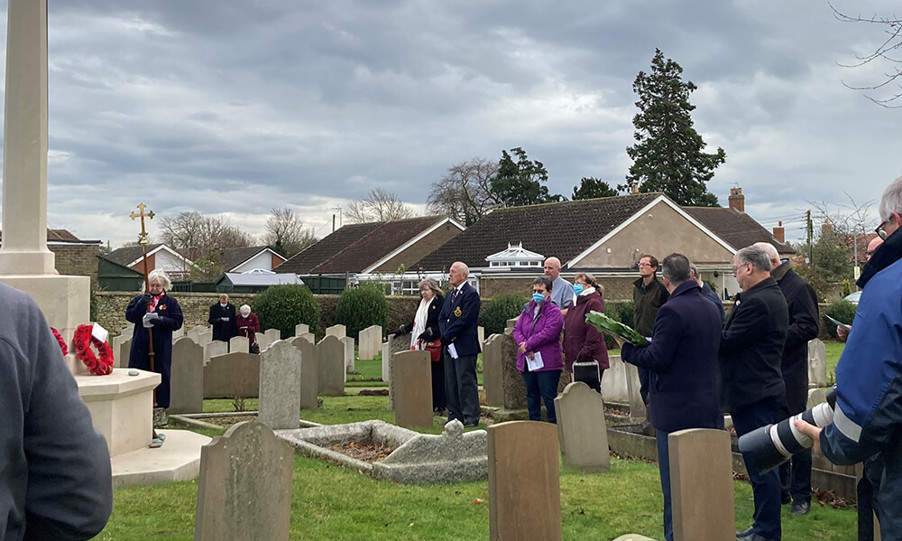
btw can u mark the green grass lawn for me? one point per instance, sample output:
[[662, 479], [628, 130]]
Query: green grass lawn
[[834, 350]]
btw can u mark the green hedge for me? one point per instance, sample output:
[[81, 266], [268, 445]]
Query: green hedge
[[283, 307], [841, 310], [499, 309], [360, 308]]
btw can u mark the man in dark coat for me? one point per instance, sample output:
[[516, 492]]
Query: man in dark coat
[[752, 388], [682, 365], [708, 293], [222, 317], [795, 475], [649, 294], [458, 324]]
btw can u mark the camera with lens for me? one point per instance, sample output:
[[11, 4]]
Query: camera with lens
[[769, 446]]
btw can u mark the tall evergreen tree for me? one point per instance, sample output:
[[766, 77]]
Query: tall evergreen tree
[[522, 182], [591, 188], [668, 156]]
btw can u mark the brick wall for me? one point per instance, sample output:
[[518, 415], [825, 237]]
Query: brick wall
[[616, 288], [76, 259]]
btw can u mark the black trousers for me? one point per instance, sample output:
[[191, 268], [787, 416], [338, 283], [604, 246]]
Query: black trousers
[[462, 389]]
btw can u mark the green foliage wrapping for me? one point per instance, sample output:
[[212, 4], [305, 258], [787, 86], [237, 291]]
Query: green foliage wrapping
[[841, 310], [499, 309], [607, 325], [359, 308], [282, 307]]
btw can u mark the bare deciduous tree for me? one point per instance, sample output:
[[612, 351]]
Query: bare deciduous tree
[[465, 193], [378, 206], [888, 52], [285, 231], [198, 236]]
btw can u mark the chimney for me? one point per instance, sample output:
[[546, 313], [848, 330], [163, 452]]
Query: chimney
[[737, 200], [780, 232], [634, 189]]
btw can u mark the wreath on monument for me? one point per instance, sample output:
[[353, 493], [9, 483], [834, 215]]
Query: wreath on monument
[[59, 339], [83, 340]]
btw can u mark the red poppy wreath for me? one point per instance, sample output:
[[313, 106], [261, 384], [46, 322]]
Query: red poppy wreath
[[83, 340], [59, 339]]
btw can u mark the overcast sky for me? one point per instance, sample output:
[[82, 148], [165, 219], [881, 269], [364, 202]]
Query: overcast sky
[[233, 108]]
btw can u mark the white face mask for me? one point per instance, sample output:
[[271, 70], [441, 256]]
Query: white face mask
[[223, 305]]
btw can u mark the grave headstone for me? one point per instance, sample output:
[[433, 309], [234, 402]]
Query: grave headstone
[[512, 379], [232, 375], [244, 488], [701, 484], [272, 335], [187, 387], [337, 331], [581, 428], [386, 356], [614, 386], [524, 487], [178, 333], [637, 405], [396, 344], [370, 339], [205, 337], [263, 341], [817, 363], [215, 348], [239, 344], [816, 396], [492, 370], [280, 386], [301, 328], [309, 372], [308, 336], [330, 353], [348, 343], [412, 389], [480, 332], [510, 324], [194, 332], [122, 346]]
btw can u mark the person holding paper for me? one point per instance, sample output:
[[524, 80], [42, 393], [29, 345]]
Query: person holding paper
[[458, 327], [682, 365], [538, 333], [222, 318]]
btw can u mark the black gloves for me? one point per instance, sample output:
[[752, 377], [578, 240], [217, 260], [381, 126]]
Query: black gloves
[[426, 335], [147, 298]]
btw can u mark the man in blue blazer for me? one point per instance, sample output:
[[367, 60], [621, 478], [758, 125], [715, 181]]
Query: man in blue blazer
[[458, 322]]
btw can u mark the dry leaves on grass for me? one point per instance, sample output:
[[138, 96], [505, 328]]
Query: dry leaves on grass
[[367, 452]]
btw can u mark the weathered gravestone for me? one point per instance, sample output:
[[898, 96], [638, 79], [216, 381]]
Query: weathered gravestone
[[816, 396], [280, 386], [524, 481], [308, 336], [614, 386], [205, 337], [386, 355], [309, 372], [178, 333], [581, 428], [244, 488], [412, 398], [195, 331], [272, 335], [330, 353], [239, 344], [337, 331], [187, 387], [122, 346], [637, 405], [214, 349], [817, 363], [395, 344], [301, 328], [348, 344], [369, 340], [512, 379], [701, 484], [492, 370], [232, 375], [480, 334], [263, 341]]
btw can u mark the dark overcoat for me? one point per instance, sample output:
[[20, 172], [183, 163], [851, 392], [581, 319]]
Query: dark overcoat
[[170, 320]]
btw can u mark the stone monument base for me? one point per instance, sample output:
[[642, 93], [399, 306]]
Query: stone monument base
[[121, 407]]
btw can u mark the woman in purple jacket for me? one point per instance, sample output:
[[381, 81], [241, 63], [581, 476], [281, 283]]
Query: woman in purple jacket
[[538, 334]]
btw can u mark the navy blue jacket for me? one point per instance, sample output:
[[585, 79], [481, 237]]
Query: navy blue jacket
[[458, 321], [803, 326], [170, 319], [751, 348], [682, 362], [709, 294]]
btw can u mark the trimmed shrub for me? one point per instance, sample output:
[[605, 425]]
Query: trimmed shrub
[[499, 309], [841, 310], [359, 308], [846, 287], [282, 307], [625, 313]]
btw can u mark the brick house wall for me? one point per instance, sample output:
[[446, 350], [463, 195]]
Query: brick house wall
[[76, 259]]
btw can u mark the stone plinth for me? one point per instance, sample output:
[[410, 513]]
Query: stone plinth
[[121, 407]]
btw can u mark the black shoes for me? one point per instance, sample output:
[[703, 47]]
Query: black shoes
[[800, 508], [755, 537], [747, 532]]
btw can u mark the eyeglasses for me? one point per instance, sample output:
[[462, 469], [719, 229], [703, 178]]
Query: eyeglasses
[[880, 231], [644, 265], [736, 269]]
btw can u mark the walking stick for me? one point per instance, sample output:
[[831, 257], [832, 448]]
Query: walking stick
[[142, 237]]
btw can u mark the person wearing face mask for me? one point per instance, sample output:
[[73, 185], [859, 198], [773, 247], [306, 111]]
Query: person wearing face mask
[[222, 317], [582, 342], [248, 325], [538, 332]]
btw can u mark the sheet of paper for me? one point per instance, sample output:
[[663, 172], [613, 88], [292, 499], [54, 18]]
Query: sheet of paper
[[99, 332], [838, 323], [452, 351], [535, 363]]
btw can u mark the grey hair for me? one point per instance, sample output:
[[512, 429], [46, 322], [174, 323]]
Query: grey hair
[[463, 267], [693, 270], [675, 268], [162, 276], [431, 284], [545, 281], [243, 306], [754, 255], [891, 200], [770, 250]]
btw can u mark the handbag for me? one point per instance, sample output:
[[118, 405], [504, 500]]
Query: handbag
[[435, 350]]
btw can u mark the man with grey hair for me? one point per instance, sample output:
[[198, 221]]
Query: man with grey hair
[[752, 388], [682, 364], [707, 292], [457, 324], [561, 290], [801, 300]]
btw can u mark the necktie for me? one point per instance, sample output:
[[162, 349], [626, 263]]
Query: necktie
[[454, 295]]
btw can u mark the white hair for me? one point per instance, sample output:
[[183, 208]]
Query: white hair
[[243, 306], [462, 267], [769, 249], [891, 201], [160, 274]]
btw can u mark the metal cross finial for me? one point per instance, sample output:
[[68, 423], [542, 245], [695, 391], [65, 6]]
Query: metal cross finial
[[142, 236]]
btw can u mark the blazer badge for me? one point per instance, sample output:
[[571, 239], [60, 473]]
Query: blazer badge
[[457, 312]]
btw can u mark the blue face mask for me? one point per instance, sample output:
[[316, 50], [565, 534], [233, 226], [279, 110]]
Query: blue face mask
[[538, 297], [577, 288]]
